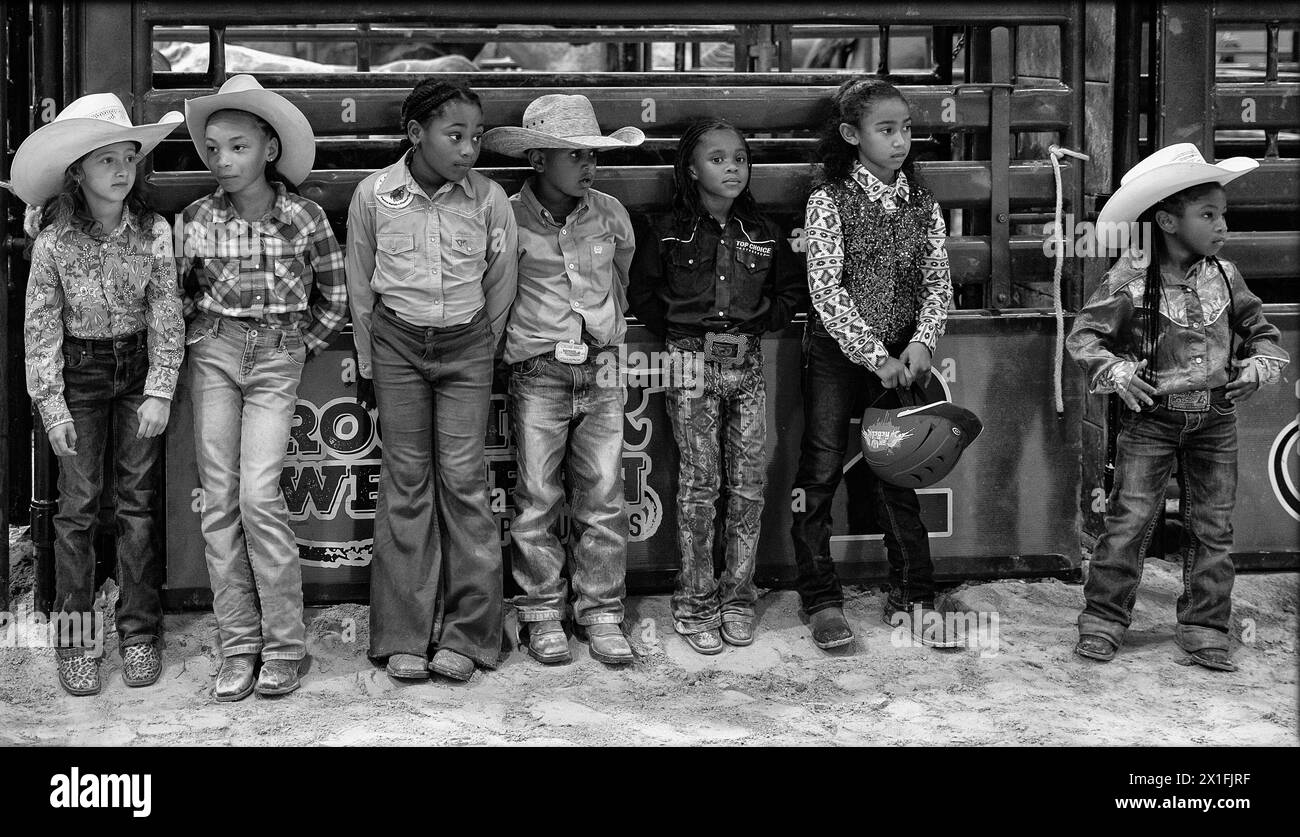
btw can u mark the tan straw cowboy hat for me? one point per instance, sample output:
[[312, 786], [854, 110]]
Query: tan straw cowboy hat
[[87, 123], [558, 120], [243, 92], [1169, 170]]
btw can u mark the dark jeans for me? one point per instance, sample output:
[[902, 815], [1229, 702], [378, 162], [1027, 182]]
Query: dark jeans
[[835, 391], [1205, 447], [729, 408], [436, 578], [103, 387]]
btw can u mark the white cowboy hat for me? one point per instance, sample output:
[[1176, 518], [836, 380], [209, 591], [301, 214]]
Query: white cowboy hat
[[87, 123], [1169, 170], [558, 120], [243, 92]]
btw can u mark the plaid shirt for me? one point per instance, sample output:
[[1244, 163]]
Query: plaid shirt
[[285, 269]]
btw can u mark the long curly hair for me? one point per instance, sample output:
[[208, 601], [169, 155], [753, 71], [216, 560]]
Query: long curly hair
[[849, 105], [686, 194], [69, 208]]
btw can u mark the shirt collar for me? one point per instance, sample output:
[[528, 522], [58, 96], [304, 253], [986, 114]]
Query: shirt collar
[[127, 221], [876, 188], [280, 210], [529, 197], [398, 176]]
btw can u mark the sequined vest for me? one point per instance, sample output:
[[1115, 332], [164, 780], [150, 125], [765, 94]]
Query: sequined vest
[[882, 256]]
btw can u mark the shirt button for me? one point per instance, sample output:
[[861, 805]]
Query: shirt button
[[1198, 360], [690, 261], [577, 303], [722, 277], [564, 232], [1196, 325], [572, 266], [753, 264]]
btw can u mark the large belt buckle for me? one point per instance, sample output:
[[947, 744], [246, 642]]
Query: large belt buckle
[[570, 352], [1196, 401], [726, 349]]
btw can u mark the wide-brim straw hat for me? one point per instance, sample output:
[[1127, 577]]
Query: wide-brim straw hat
[[87, 123], [243, 92], [559, 120], [1169, 170]]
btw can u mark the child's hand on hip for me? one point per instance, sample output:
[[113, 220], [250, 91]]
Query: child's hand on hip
[[63, 438], [153, 414], [1138, 392], [893, 373], [916, 357], [1247, 381]]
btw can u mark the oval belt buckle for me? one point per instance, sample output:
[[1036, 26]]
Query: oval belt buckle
[[567, 351]]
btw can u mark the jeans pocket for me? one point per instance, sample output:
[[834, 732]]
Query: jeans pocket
[[73, 356], [297, 354], [527, 369], [1229, 409]]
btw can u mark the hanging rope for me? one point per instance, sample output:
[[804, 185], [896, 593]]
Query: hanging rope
[[1058, 310]]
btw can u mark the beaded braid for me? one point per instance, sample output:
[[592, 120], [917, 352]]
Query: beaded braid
[[427, 100], [686, 195], [1152, 291], [850, 103]]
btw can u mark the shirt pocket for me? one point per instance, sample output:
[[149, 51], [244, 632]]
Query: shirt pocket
[[601, 254], [751, 270], [395, 256], [464, 248]]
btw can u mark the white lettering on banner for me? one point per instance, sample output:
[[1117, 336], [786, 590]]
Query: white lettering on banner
[[73, 789]]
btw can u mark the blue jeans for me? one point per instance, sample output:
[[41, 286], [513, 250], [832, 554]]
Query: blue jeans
[[835, 391], [731, 406], [435, 581], [568, 429], [104, 387], [1205, 447], [244, 385]]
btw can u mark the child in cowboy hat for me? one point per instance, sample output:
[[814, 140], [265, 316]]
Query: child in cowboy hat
[[1175, 332], [575, 248], [104, 338], [266, 276]]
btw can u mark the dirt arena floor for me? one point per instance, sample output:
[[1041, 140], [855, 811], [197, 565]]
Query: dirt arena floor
[[1028, 688]]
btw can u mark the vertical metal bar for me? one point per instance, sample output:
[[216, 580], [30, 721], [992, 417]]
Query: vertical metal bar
[[1074, 71], [6, 264], [882, 66], [217, 56], [1186, 75], [743, 41], [679, 56], [1128, 87], [363, 47], [1270, 77], [1000, 165], [695, 55], [49, 82], [647, 62], [782, 35], [943, 54]]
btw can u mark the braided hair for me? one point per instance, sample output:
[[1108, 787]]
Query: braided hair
[[273, 174], [849, 105], [427, 99], [1152, 290], [686, 195]]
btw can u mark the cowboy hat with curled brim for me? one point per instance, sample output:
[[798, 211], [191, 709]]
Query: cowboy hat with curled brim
[[243, 92], [559, 120], [87, 123], [1169, 170]]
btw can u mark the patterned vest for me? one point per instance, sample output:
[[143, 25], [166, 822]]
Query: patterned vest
[[882, 256]]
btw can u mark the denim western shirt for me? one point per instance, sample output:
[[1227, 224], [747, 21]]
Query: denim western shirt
[[1196, 334], [99, 286], [573, 275], [435, 260], [284, 269], [691, 276]]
